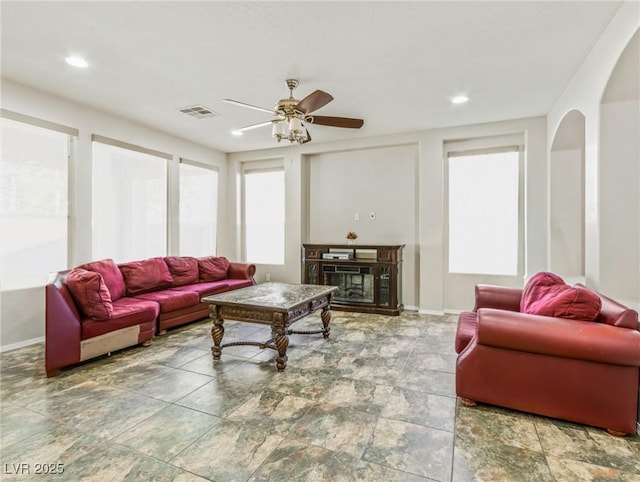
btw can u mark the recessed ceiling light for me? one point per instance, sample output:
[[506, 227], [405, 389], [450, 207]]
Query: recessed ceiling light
[[236, 133], [77, 62], [460, 99]]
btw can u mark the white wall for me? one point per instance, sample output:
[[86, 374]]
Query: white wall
[[620, 202], [382, 180], [438, 290], [584, 93], [567, 212], [424, 269], [620, 178], [22, 311]]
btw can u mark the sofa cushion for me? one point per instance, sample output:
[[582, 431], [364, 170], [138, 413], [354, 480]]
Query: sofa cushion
[[213, 268], [111, 275], [205, 289], [183, 269], [147, 275], [90, 293], [563, 301], [126, 312], [171, 300]]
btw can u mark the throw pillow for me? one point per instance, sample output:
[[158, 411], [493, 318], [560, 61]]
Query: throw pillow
[[90, 293], [213, 268], [110, 274], [147, 275], [184, 269], [563, 301], [536, 283]]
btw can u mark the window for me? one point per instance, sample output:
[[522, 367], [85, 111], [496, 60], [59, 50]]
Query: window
[[264, 215], [198, 209], [129, 201], [484, 212], [34, 204]]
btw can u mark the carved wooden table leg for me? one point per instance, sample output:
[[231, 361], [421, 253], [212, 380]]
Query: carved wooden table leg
[[325, 315], [281, 341], [217, 331]]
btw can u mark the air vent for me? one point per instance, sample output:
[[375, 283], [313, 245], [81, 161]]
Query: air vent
[[198, 111]]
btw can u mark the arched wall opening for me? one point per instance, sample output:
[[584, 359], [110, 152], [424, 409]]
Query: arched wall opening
[[566, 197], [619, 179]]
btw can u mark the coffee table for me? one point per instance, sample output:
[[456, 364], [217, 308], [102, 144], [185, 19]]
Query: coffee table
[[278, 305]]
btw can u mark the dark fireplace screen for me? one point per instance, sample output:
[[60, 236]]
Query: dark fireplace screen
[[355, 283]]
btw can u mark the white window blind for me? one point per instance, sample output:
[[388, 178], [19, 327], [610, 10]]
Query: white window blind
[[34, 203], [483, 212], [198, 209], [264, 216], [129, 202]]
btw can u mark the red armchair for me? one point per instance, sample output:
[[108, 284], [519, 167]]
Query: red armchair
[[582, 371]]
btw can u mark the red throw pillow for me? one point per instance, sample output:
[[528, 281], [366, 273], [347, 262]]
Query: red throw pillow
[[147, 275], [184, 269], [538, 281], [110, 274], [547, 297], [90, 293], [213, 268]]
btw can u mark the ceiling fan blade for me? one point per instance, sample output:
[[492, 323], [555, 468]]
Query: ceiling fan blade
[[348, 122], [313, 101], [248, 128], [249, 106]]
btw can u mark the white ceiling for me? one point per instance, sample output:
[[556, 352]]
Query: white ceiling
[[394, 64]]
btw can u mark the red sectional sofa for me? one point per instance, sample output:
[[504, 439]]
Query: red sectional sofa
[[100, 307], [576, 358]]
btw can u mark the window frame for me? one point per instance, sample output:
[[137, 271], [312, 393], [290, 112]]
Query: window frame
[[483, 146], [107, 141], [273, 165], [212, 168], [71, 142]]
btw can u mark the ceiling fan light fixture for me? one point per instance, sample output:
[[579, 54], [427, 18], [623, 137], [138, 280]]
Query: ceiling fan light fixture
[[297, 131], [295, 127], [292, 114], [278, 130]]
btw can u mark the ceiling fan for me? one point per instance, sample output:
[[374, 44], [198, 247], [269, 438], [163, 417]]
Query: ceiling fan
[[291, 116]]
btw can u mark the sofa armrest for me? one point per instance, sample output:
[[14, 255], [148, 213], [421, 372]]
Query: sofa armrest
[[498, 297], [241, 271], [63, 327], [559, 337]]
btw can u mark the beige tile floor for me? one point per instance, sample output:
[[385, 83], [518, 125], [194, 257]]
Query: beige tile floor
[[375, 402]]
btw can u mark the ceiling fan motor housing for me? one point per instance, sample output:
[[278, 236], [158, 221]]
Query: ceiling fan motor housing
[[286, 107]]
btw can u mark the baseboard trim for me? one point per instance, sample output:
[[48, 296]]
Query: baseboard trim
[[20, 344], [446, 311], [431, 312], [411, 308]]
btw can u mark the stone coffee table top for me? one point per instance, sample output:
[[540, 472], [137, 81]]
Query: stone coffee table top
[[271, 295]]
